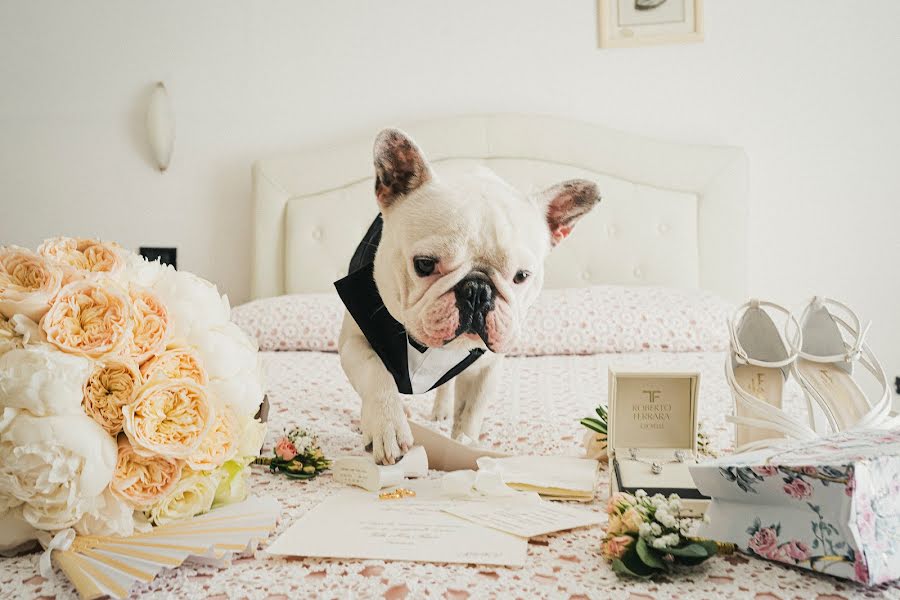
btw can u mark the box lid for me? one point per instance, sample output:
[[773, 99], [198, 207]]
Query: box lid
[[652, 409]]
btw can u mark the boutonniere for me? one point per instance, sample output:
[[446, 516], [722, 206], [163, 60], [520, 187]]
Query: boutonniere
[[297, 455], [646, 535], [595, 440]]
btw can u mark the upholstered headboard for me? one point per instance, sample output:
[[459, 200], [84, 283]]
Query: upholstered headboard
[[672, 214]]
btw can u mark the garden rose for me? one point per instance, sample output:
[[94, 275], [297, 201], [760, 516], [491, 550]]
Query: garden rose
[[106, 392], [10, 339], [42, 381], [796, 550], [28, 283], [285, 450], [219, 445], [615, 547], [150, 324], [765, 471], [177, 362], [90, 318], [798, 488], [253, 433], [168, 418], [192, 495], [234, 483], [631, 520], [142, 480], [57, 466], [193, 303], [764, 542], [80, 254]]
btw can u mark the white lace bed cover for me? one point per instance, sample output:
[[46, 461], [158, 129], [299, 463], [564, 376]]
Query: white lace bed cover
[[537, 412]]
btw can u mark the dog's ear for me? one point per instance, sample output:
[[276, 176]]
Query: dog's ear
[[565, 203], [400, 167]]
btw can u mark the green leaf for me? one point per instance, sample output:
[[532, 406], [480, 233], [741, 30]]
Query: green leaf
[[647, 556], [594, 425], [692, 550], [635, 565], [602, 413]]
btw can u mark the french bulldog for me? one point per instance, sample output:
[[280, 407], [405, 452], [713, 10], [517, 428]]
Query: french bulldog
[[458, 264]]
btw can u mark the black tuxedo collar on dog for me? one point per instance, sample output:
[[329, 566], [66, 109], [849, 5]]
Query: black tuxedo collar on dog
[[415, 368]]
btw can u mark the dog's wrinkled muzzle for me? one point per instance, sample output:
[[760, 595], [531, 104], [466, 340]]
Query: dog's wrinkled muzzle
[[474, 299]]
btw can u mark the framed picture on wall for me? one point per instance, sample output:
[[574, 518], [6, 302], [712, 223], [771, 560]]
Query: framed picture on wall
[[629, 23]]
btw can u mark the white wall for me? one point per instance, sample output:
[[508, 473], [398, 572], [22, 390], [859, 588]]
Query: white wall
[[810, 89]]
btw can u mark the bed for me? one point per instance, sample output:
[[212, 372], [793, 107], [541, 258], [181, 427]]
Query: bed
[[646, 281]]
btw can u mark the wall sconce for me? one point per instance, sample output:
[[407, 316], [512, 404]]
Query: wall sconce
[[161, 126]]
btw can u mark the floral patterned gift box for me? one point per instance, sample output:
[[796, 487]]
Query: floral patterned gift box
[[832, 506]]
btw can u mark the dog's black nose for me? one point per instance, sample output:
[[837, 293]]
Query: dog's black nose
[[474, 299]]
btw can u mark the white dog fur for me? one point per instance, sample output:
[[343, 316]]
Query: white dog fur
[[473, 225]]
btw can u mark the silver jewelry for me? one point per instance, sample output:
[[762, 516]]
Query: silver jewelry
[[656, 464]]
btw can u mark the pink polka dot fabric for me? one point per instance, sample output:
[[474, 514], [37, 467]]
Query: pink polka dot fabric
[[592, 320]]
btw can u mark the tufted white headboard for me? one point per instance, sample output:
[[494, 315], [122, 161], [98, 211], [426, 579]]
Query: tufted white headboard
[[672, 214]]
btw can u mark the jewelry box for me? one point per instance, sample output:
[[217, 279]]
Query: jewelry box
[[653, 434]]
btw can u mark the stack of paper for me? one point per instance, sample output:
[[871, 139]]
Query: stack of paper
[[429, 527], [553, 477]]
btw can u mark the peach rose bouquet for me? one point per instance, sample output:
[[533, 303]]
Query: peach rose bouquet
[[127, 397]]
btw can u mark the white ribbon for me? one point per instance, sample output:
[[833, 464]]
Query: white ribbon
[[61, 541], [470, 483]]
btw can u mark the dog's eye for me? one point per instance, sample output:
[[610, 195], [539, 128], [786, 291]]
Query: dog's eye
[[521, 276], [424, 265]]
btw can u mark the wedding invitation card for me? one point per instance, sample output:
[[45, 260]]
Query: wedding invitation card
[[357, 524]]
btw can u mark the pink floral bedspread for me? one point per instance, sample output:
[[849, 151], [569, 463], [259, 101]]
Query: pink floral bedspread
[[537, 412]]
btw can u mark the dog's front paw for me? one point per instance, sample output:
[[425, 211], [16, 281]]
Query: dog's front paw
[[386, 429], [442, 408]]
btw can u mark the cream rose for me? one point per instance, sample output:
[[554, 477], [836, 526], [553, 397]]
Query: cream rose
[[151, 324], [90, 318], [193, 303], [56, 466], [168, 418], [177, 362], [28, 283], [108, 389], [142, 480], [234, 483], [80, 254], [42, 381], [192, 495], [220, 444], [10, 339]]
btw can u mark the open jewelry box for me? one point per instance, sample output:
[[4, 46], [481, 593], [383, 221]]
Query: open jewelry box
[[653, 434]]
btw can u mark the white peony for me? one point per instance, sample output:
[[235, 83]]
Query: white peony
[[193, 495], [193, 303], [43, 381], [226, 350], [139, 270], [112, 516], [243, 393], [251, 440], [58, 466]]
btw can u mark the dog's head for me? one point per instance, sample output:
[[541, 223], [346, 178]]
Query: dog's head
[[461, 259]]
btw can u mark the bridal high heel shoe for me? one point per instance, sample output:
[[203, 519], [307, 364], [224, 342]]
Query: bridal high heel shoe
[[756, 370], [824, 367]]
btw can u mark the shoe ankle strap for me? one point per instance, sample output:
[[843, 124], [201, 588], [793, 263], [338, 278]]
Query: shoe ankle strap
[[741, 354]]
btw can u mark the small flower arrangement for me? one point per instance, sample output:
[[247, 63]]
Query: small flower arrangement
[[595, 440], [297, 455], [645, 535]]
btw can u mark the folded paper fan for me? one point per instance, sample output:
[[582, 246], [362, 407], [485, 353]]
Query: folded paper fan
[[109, 566]]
